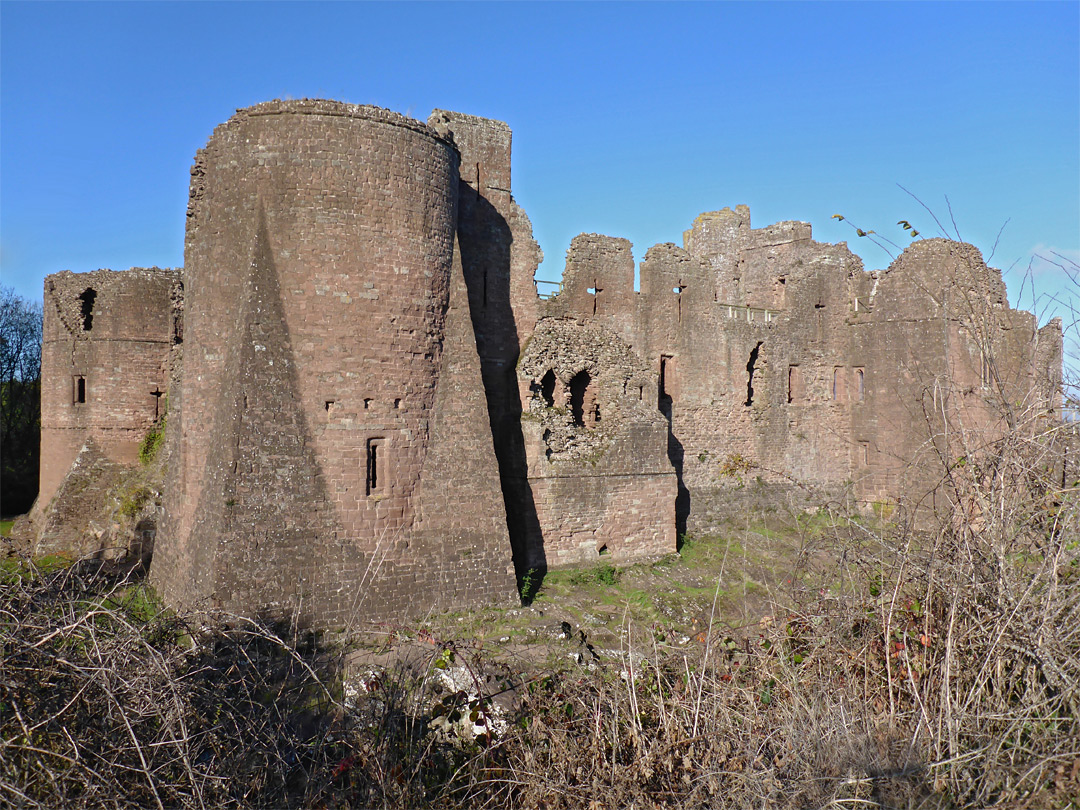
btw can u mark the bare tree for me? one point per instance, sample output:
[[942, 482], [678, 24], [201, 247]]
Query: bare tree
[[20, 400]]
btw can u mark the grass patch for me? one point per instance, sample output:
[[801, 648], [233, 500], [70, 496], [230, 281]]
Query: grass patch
[[5, 527], [154, 438], [15, 570], [133, 497], [703, 550]]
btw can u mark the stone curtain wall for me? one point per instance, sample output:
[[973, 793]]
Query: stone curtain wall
[[947, 348], [318, 263], [789, 375], [499, 258]]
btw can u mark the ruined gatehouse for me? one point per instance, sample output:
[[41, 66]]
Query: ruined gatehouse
[[371, 411]]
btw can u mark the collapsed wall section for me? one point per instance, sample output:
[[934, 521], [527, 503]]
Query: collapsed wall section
[[319, 266], [596, 446]]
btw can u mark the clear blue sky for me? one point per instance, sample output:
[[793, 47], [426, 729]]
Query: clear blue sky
[[628, 119]]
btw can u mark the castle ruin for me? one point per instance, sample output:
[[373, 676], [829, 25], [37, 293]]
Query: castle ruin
[[372, 412]]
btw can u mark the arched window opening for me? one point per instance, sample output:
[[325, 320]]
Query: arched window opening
[[579, 387], [860, 384], [547, 388], [86, 309]]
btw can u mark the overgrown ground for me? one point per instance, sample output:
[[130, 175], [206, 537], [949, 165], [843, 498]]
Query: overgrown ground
[[734, 578], [791, 661]]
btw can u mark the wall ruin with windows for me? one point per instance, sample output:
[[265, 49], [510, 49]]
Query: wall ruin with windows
[[595, 447], [786, 371], [106, 342], [373, 413]]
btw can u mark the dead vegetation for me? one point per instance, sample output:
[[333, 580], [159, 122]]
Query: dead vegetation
[[944, 673], [939, 667]]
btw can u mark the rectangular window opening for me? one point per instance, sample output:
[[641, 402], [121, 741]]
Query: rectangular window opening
[[376, 466], [795, 385], [78, 391]]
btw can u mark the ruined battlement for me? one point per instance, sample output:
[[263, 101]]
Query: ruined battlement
[[716, 233], [485, 147], [110, 305], [371, 412], [940, 269]]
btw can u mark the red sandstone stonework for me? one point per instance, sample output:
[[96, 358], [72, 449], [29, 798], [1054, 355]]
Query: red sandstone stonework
[[106, 341], [372, 413]]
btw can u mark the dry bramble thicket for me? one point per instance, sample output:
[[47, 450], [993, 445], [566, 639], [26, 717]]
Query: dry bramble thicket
[[942, 672]]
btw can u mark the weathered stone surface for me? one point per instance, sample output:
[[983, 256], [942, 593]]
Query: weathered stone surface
[[596, 447], [789, 373], [323, 457], [106, 342], [372, 413]]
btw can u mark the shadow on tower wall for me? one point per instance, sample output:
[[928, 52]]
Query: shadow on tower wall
[[675, 456], [264, 511], [485, 239]]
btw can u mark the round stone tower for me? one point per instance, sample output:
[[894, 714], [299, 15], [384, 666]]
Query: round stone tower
[[318, 260]]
